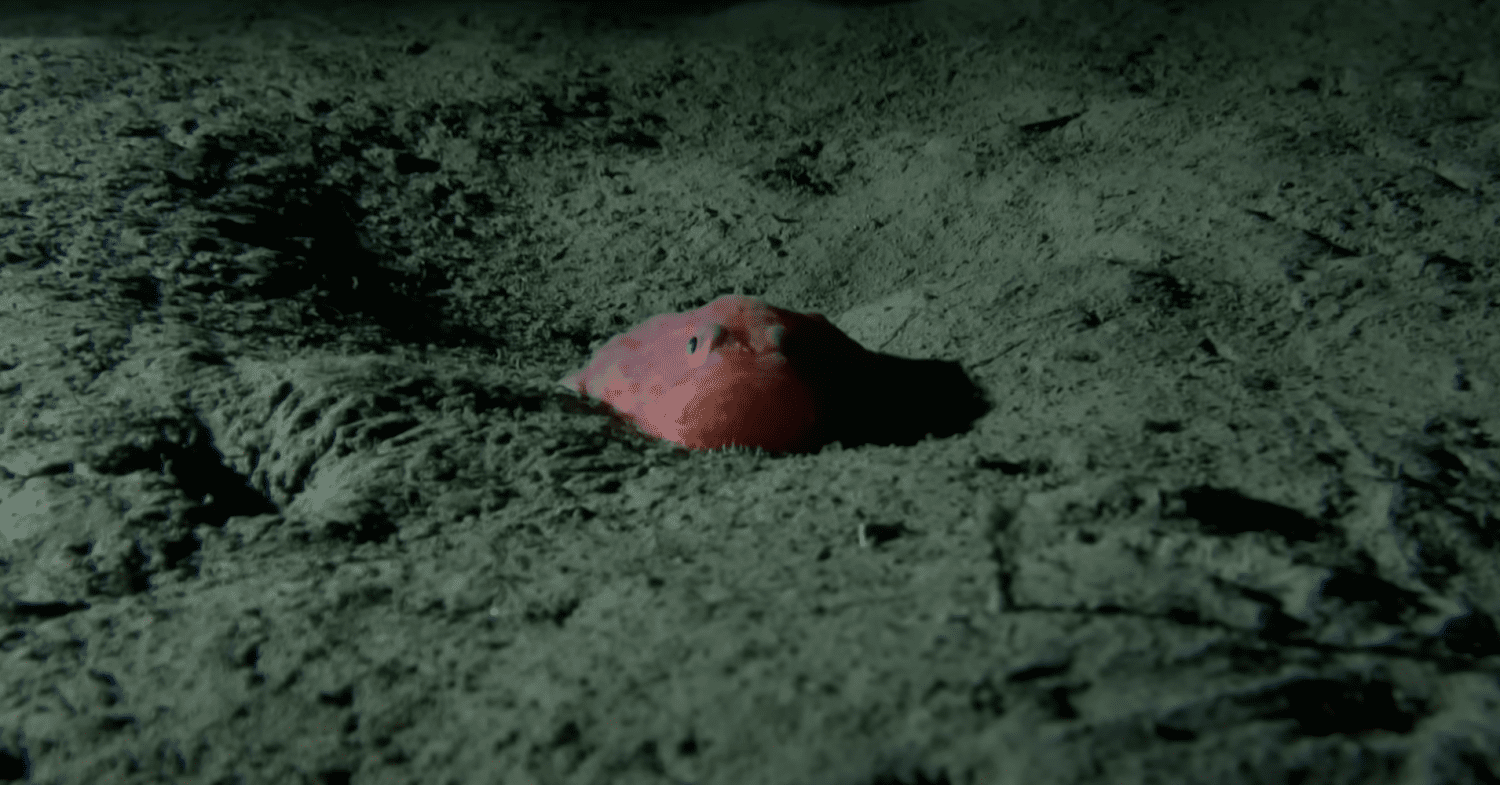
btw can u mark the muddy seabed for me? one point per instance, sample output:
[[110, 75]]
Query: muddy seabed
[[288, 494]]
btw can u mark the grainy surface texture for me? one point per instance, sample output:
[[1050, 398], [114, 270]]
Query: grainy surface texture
[[287, 494]]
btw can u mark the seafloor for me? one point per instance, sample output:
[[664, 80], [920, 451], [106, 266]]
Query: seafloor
[[288, 495]]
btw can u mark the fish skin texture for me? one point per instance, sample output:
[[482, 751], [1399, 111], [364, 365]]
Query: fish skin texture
[[735, 371]]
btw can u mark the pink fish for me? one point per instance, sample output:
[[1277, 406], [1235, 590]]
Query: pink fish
[[736, 371]]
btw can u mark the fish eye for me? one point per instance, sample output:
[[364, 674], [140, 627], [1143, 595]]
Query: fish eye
[[707, 340]]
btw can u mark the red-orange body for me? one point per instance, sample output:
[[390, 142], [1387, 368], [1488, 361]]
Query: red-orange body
[[736, 371]]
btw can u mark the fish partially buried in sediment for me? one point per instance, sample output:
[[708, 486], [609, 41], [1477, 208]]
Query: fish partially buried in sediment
[[735, 371]]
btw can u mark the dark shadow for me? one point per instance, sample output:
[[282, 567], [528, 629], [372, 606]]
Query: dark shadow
[[1226, 513], [890, 400], [321, 254], [1323, 707], [321, 251], [1383, 601], [1472, 634]]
